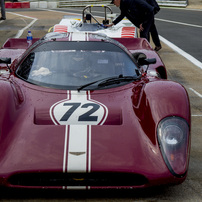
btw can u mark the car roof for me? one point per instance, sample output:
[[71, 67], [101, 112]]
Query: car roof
[[82, 37]]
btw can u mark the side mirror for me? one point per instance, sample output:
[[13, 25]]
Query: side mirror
[[147, 61], [141, 59], [5, 61]]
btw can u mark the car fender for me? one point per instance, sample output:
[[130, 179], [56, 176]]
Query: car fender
[[159, 99], [11, 99]]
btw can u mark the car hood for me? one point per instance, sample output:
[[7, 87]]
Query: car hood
[[81, 132]]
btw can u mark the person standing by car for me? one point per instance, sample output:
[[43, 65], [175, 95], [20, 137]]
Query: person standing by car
[[141, 14], [3, 12], [153, 30]]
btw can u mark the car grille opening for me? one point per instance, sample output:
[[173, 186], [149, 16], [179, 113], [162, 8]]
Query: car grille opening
[[77, 179]]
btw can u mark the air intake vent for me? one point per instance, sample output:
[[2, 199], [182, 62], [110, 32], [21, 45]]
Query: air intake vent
[[77, 179]]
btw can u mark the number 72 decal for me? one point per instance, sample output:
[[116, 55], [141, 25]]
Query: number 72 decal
[[78, 110]]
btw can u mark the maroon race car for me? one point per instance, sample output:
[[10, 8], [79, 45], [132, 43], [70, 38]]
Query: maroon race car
[[83, 111]]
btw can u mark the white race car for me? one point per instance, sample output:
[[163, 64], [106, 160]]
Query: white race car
[[89, 23]]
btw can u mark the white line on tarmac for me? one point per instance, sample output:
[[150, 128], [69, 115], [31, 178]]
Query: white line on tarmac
[[177, 49], [181, 52], [197, 93], [20, 32], [66, 12], [180, 23]]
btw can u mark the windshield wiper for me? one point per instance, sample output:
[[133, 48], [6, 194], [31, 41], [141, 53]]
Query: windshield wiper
[[117, 80], [109, 81]]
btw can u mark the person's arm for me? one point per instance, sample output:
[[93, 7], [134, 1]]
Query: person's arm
[[118, 19], [109, 25]]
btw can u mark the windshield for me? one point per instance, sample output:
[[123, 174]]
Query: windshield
[[75, 64]]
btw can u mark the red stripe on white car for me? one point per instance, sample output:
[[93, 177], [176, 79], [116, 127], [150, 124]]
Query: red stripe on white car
[[60, 28], [128, 32]]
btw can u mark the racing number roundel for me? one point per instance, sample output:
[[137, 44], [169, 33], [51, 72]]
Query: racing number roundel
[[78, 109]]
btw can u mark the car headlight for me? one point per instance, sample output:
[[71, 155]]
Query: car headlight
[[173, 138]]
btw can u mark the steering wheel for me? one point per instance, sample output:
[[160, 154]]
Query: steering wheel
[[86, 74]]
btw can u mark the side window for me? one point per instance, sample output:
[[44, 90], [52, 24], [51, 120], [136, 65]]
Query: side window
[[26, 65]]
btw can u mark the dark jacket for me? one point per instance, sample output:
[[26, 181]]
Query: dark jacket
[[155, 5], [137, 11]]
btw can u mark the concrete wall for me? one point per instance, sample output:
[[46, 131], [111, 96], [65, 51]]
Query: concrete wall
[[195, 2]]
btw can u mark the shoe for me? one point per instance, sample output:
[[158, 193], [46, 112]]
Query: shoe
[[2, 18], [157, 48]]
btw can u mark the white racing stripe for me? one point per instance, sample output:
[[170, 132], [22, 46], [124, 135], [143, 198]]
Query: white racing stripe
[[65, 148], [78, 36], [77, 150], [78, 112], [76, 145]]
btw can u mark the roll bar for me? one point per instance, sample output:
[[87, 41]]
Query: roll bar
[[87, 10]]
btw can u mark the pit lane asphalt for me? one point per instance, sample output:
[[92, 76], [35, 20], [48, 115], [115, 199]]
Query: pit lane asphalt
[[179, 69]]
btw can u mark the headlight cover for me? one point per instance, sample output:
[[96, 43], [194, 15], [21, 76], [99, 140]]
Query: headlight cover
[[173, 138]]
